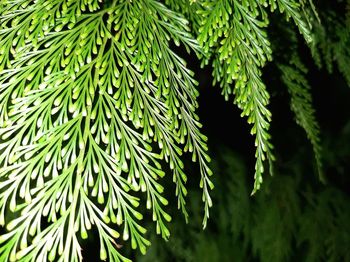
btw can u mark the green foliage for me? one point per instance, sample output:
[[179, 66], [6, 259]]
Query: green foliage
[[331, 41], [289, 220], [293, 76], [327, 221], [88, 91], [233, 34], [97, 106]]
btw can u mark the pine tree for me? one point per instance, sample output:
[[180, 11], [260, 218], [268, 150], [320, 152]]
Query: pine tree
[[97, 106]]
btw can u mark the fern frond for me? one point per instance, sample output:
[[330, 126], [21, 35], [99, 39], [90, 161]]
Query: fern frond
[[232, 33], [86, 90], [293, 76], [190, 9], [292, 10], [332, 39]]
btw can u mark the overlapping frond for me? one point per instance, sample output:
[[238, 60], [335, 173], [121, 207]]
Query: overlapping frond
[[294, 77], [332, 38], [233, 36], [95, 102], [189, 8], [88, 91]]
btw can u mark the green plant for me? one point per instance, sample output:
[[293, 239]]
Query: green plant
[[95, 100], [291, 219]]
